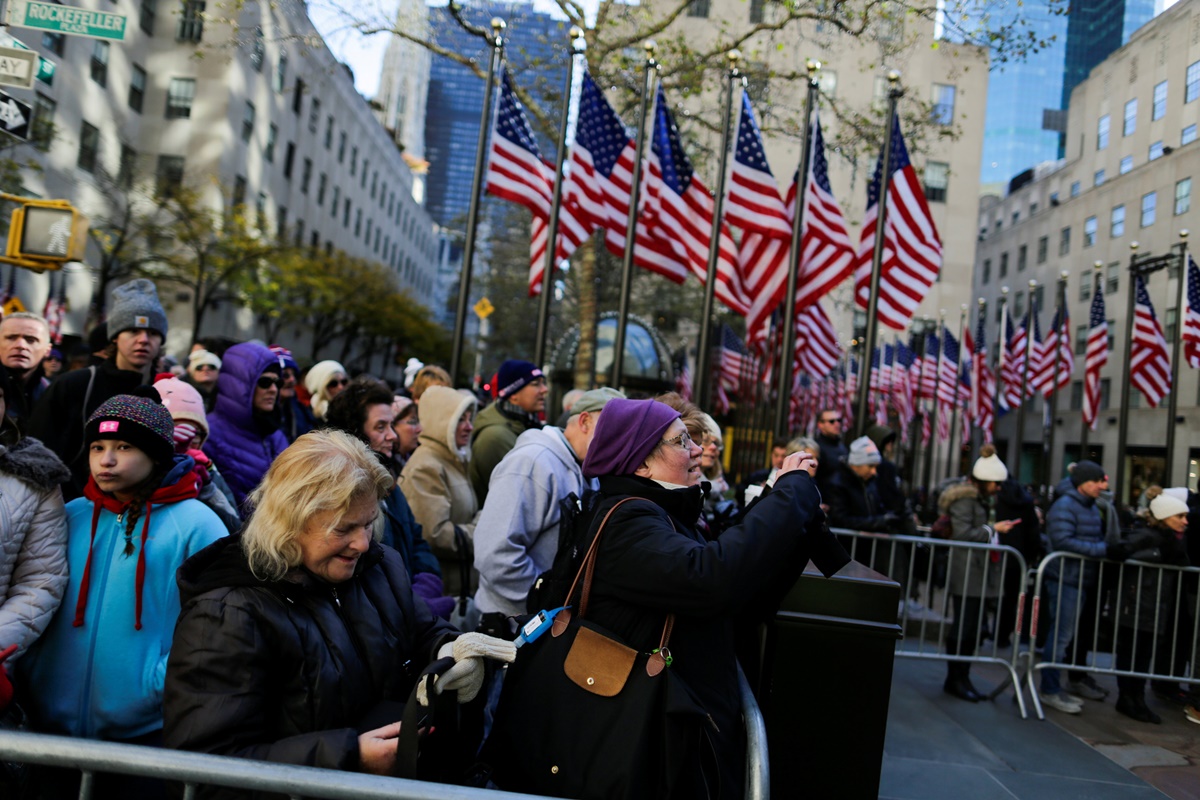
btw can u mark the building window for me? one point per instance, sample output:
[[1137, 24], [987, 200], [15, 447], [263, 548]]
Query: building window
[[179, 98], [1130, 124], [54, 42], [298, 96], [321, 182], [126, 166], [698, 8], [260, 212], [168, 177], [333, 206], [367, 238], [987, 270], [137, 88], [146, 14], [1098, 178], [357, 222], [314, 114], [1064, 241], [1170, 323], [1126, 164], [1149, 208], [314, 241], [1043, 249], [1116, 226], [1022, 257], [1075, 187], [1037, 297], [1156, 150], [1085, 286], [299, 232], [353, 160], [943, 104], [1113, 279], [1183, 196], [248, 122], [1193, 82], [239, 191], [289, 158], [1188, 136], [756, 11], [1089, 231], [341, 147], [89, 145], [269, 150], [41, 130], [280, 72], [1102, 132], [1016, 217], [346, 213], [374, 181], [329, 131], [1003, 265], [305, 176], [937, 178], [1081, 337], [191, 21], [1019, 304], [1160, 101], [257, 50], [99, 64]]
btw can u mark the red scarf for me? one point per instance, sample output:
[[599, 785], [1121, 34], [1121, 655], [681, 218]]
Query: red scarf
[[182, 489]]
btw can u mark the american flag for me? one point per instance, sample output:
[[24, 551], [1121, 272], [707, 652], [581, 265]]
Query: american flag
[[1095, 357], [947, 390], [1191, 316], [912, 250], [817, 348], [1056, 355], [755, 207], [680, 213], [1036, 351], [56, 308], [826, 252], [733, 367], [1149, 366], [902, 394], [983, 383], [683, 374], [929, 369], [1014, 364]]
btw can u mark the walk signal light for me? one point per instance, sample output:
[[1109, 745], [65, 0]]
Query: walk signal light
[[46, 233]]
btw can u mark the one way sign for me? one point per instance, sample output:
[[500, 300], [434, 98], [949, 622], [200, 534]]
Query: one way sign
[[15, 116]]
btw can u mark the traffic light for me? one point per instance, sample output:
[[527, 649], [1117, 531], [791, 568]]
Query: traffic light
[[45, 234]]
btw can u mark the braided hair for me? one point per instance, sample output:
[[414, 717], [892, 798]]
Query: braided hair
[[140, 496]]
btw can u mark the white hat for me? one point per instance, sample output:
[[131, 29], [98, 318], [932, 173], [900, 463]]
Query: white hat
[[863, 452], [1165, 506], [199, 357], [1178, 492], [989, 468]]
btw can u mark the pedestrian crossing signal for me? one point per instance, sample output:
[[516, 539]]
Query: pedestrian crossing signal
[[45, 234]]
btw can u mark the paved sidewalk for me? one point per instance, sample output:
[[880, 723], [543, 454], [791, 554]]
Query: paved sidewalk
[[940, 747]]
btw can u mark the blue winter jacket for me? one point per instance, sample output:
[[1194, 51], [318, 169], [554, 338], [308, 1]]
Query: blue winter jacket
[[1074, 525], [237, 445], [104, 678]]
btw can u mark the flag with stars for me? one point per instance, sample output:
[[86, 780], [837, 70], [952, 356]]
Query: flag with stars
[[1095, 358], [1149, 365], [912, 249], [1191, 316], [983, 383]]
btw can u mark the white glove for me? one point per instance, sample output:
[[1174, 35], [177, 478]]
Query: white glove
[[466, 676]]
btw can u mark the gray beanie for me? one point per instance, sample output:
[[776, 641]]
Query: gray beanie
[[135, 306], [863, 452]]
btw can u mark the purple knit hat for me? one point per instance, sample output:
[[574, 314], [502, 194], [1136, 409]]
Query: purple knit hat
[[626, 433]]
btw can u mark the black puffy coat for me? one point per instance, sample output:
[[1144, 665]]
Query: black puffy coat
[[1148, 594], [652, 561], [288, 670], [855, 504]]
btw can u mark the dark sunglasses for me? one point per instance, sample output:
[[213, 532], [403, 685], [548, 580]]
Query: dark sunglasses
[[267, 381], [337, 382]]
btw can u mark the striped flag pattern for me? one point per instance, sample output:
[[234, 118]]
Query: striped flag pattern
[[1055, 354], [983, 383], [817, 348], [1095, 357], [1014, 364], [1191, 316], [1149, 366]]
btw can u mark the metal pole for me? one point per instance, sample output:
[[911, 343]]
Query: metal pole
[[976, 431], [788, 315], [1025, 379], [950, 451], [1084, 427], [1123, 424], [485, 125], [937, 385], [1173, 398], [914, 427], [631, 228], [1052, 404], [702, 381], [543, 326]]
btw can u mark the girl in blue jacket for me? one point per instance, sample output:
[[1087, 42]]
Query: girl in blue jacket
[[98, 671]]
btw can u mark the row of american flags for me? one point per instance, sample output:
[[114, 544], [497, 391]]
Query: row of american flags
[[674, 226]]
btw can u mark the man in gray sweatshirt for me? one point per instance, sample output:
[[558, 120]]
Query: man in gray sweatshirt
[[516, 537]]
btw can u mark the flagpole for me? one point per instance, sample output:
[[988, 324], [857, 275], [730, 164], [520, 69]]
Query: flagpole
[[539, 353], [913, 425], [1001, 353], [1029, 329], [937, 385], [485, 124], [1126, 385], [1172, 399], [977, 432], [702, 379], [950, 459], [1052, 404], [635, 191], [1086, 428], [885, 179], [788, 350]]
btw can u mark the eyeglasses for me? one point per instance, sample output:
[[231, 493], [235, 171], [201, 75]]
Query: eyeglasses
[[837, 420], [337, 382], [683, 441], [267, 381], [205, 368]]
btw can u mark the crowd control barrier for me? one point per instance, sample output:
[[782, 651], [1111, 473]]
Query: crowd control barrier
[[198, 769], [1130, 619], [961, 601]]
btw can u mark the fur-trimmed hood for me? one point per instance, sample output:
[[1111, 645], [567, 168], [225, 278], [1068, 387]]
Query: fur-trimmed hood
[[32, 462], [957, 491]]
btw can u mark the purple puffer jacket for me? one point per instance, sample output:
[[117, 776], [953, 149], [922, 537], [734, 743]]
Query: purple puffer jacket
[[235, 444]]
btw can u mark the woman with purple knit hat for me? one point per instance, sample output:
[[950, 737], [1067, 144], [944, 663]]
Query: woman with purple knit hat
[[653, 561]]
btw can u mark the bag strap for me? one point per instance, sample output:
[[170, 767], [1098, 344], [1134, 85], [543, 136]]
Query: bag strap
[[416, 720]]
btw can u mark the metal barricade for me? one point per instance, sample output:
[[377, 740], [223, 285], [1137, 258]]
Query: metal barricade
[[1130, 619], [198, 769], [964, 615]]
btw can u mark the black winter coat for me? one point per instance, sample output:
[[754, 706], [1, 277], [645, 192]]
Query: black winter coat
[[854, 504], [652, 561], [1147, 593], [288, 670]]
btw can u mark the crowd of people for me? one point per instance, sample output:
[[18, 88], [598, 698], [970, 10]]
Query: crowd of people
[[231, 555]]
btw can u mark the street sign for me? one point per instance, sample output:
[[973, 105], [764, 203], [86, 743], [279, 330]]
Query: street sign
[[45, 70], [66, 19], [484, 308], [17, 67], [15, 117]]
